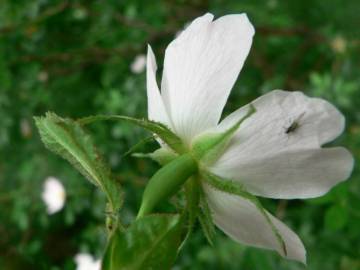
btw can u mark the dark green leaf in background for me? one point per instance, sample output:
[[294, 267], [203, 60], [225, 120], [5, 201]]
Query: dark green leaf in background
[[150, 243], [336, 217]]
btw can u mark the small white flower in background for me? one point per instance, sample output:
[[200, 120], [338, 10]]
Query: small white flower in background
[[275, 153], [338, 44], [85, 261], [80, 13], [43, 76], [53, 195], [139, 64], [272, 4]]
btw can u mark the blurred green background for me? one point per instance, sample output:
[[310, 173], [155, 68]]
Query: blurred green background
[[74, 58]]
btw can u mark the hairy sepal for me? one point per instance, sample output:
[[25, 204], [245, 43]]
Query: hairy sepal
[[209, 146], [205, 219], [161, 130], [68, 139], [236, 189], [192, 195], [139, 144], [162, 155]]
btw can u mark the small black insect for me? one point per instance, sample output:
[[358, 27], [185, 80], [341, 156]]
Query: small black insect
[[294, 125]]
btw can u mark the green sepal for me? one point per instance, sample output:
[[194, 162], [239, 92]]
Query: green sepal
[[205, 219], [161, 130], [138, 145], [68, 139], [209, 146], [151, 242], [192, 195], [166, 182], [162, 155], [234, 188]]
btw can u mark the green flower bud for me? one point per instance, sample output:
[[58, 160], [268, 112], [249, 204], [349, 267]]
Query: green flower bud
[[167, 181]]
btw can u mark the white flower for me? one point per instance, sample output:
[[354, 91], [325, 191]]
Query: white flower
[[43, 76], [275, 153], [139, 63], [85, 261], [53, 195]]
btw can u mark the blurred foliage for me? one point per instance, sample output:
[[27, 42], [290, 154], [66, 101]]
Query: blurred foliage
[[74, 57]]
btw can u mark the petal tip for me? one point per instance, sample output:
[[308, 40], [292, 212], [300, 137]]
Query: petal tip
[[208, 15], [151, 62], [301, 257], [241, 20], [246, 19], [296, 251]]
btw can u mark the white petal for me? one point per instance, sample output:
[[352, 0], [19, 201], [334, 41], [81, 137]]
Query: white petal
[[318, 122], [156, 108], [85, 261], [273, 163], [200, 68], [53, 195], [243, 222], [294, 174]]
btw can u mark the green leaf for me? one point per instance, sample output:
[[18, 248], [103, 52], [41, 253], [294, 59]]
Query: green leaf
[[209, 146], [231, 187], [67, 138], [164, 133], [151, 242]]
